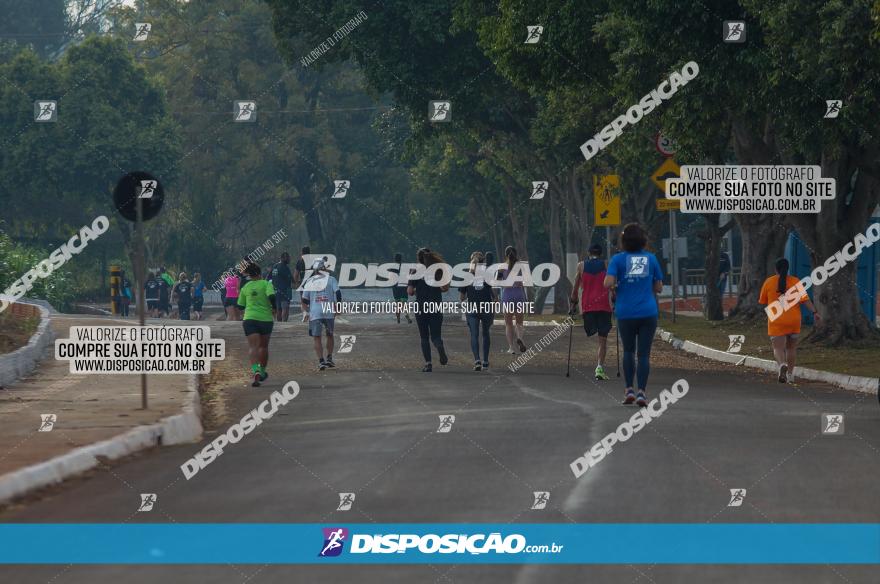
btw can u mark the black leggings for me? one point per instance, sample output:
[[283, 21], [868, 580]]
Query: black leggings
[[629, 329], [429, 328], [474, 321]]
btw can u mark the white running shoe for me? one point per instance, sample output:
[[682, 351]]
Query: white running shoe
[[783, 373]]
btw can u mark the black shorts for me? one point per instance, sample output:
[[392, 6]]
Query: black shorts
[[198, 302], [597, 322], [258, 327], [152, 304], [230, 302]]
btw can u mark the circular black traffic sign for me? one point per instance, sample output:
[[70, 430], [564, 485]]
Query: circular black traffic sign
[[136, 186]]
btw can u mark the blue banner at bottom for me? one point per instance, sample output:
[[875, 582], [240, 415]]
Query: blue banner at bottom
[[440, 543]]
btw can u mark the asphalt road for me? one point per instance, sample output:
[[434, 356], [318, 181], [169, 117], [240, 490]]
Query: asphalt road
[[370, 427]]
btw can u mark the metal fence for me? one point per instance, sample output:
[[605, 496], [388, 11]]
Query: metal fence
[[694, 282]]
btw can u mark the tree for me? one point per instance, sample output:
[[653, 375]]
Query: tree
[[38, 24], [765, 97]]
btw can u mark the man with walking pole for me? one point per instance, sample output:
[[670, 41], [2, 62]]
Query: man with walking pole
[[595, 304]]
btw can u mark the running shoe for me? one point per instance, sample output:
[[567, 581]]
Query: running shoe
[[257, 379], [783, 371], [322, 365], [408, 319], [641, 400], [444, 358], [600, 373], [630, 397], [485, 365], [427, 368], [329, 361], [264, 375], [521, 345], [478, 366], [510, 352]]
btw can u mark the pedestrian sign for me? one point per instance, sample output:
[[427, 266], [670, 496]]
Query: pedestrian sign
[[606, 199], [669, 169]]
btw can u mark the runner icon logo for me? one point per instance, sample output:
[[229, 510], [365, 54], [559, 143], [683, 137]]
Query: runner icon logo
[[147, 502], [245, 111], [346, 500], [142, 31], [147, 188], [533, 34], [832, 107], [334, 541], [734, 31], [47, 422], [737, 496], [832, 424], [539, 189], [541, 499], [446, 423], [45, 111], [340, 189], [346, 343], [439, 111], [637, 265], [736, 343]]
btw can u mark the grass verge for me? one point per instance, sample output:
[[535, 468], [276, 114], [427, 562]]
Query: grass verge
[[861, 360], [15, 331]]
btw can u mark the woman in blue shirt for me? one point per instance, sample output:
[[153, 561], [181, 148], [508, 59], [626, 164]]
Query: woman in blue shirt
[[635, 277]]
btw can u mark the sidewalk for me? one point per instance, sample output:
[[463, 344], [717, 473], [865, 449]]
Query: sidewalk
[[89, 408]]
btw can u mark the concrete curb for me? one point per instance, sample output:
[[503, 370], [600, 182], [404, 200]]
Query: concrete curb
[[177, 429], [870, 385], [17, 364]]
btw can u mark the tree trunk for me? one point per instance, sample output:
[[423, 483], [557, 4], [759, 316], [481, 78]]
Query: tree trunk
[[837, 299], [711, 236], [562, 290], [763, 241], [519, 223], [763, 236]]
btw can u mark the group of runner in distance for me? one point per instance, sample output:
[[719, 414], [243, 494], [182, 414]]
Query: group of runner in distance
[[625, 287]]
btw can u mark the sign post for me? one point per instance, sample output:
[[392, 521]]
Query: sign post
[[138, 197], [673, 236], [669, 169]]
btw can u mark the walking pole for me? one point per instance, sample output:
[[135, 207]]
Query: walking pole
[[570, 333]]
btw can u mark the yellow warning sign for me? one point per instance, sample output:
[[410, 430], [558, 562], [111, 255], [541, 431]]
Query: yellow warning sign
[[606, 199], [669, 169]]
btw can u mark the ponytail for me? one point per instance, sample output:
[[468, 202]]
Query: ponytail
[[782, 270], [510, 254]]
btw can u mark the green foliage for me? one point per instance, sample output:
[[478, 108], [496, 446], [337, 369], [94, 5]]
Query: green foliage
[[16, 259], [111, 120], [38, 24]]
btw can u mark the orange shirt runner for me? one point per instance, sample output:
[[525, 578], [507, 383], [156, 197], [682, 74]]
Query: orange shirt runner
[[789, 322]]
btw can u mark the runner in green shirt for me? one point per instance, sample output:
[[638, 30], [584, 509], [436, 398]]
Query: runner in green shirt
[[257, 300]]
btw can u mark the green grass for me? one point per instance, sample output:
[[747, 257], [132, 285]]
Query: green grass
[[15, 331], [862, 360]]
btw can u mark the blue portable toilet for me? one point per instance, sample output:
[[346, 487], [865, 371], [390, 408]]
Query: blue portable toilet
[[798, 257]]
